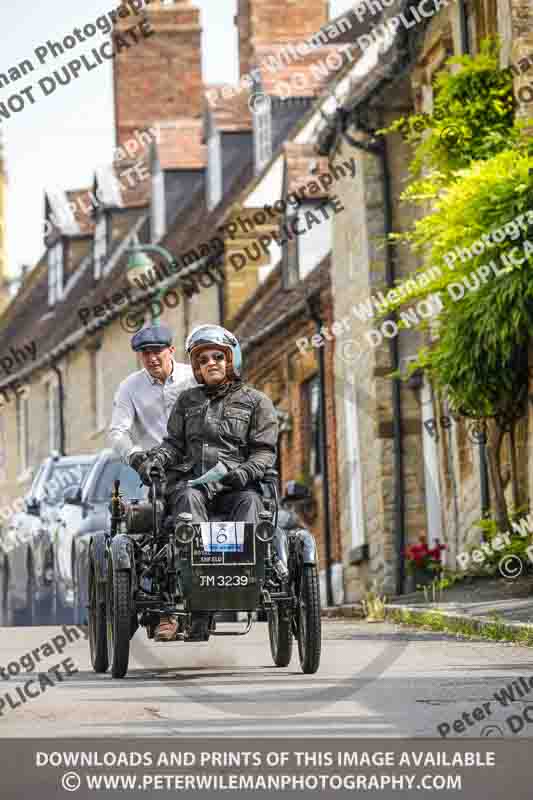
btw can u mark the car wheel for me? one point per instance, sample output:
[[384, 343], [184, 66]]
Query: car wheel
[[60, 613], [6, 616], [29, 616], [80, 611]]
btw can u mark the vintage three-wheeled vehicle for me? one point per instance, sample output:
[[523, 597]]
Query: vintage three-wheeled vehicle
[[147, 565]]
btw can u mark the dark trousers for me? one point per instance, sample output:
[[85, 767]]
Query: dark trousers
[[238, 506]]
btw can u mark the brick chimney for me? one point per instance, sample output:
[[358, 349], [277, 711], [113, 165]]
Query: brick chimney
[[160, 78], [263, 23]]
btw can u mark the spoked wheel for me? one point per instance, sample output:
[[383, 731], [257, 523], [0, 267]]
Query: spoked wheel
[[97, 625], [119, 619], [309, 621], [280, 633]]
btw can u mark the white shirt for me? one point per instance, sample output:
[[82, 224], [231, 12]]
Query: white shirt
[[141, 409]]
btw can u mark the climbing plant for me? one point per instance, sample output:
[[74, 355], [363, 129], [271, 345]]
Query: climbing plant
[[473, 165]]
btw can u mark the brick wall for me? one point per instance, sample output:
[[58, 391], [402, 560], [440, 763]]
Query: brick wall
[[160, 78], [262, 23]]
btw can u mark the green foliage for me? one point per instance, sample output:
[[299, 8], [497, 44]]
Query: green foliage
[[517, 547], [472, 118], [476, 185]]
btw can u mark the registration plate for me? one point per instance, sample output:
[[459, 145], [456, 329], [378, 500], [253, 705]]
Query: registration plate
[[223, 581]]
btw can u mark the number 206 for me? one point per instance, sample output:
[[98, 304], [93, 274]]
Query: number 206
[[223, 580]]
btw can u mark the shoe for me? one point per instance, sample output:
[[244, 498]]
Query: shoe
[[199, 631], [166, 630]]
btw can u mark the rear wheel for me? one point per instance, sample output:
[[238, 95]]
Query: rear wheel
[[280, 633], [97, 625], [309, 621], [119, 619]]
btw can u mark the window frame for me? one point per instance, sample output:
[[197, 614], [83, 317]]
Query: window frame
[[214, 170], [158, 207], [56, 255], [100, 244], [263, 149], [312, 205], [312, 427]]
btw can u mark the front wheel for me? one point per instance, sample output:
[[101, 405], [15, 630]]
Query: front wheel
[[280, 633], [309, 620], [119, 619], [97, 625]]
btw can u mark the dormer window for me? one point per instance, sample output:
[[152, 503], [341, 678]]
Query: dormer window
[[100, 245], [55, 273], [158, 205], [262, 135], [214, 171]]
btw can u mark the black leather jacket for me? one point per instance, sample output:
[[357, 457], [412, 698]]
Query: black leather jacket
[[233, 423]]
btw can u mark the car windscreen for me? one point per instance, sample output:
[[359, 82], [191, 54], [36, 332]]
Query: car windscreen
[[130, 483], [63, 477]]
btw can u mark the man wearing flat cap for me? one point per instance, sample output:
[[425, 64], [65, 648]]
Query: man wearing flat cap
[[144, 400]]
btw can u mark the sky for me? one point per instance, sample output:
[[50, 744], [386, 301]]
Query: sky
[[57, 141]]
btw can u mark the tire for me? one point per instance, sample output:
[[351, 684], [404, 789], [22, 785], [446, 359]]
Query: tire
[[309, 620], [80, 612], [280, 634], [60, 613], [119, 618], [30, 616], [97, 626], [5, 606]]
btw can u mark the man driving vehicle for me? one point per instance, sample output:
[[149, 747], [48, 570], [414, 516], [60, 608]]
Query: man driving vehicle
[[225, 423]]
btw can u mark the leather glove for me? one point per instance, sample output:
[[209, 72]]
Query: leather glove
[[236, 479], [136, 459], [151, 464]]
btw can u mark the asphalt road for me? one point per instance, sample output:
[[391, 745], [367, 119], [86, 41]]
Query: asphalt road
[[375, 680]]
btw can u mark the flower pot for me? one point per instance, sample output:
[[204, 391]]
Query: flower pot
[[418, 577]]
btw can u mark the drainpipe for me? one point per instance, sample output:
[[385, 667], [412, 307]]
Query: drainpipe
[[378, 147], [463, 28], [62, 449], [313, 304]]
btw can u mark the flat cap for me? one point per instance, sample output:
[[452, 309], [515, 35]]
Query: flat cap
[[152, 336]]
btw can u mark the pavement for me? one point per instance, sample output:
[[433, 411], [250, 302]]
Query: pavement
[[477, 600]]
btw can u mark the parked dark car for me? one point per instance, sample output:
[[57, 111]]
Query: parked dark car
[[85, 512], [26, 559]]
